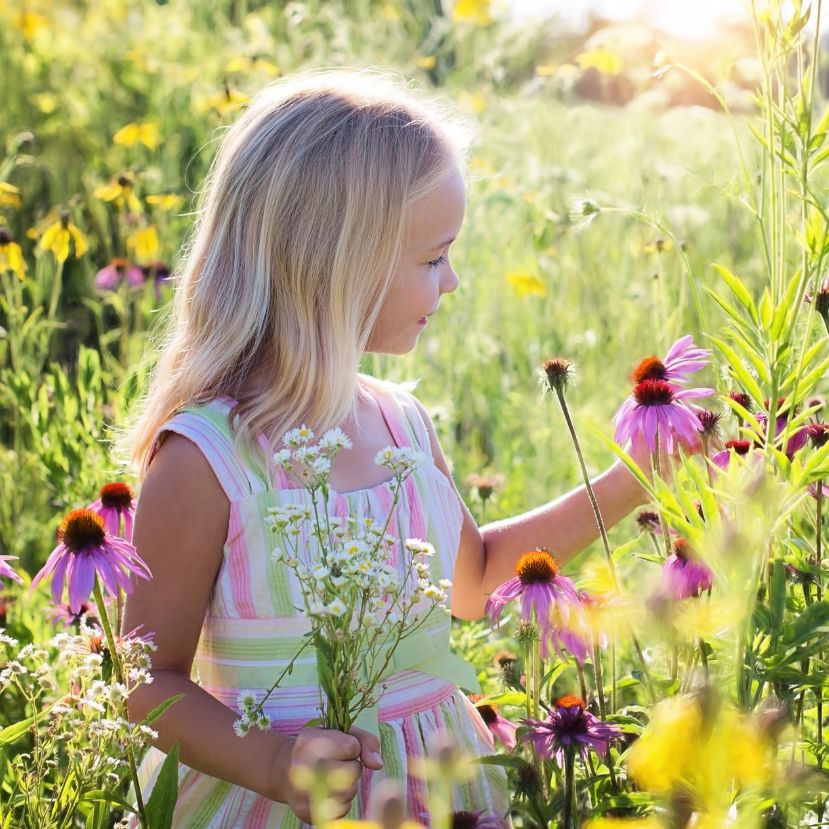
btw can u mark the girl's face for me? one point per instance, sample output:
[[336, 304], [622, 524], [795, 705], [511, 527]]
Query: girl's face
[[424, 272]]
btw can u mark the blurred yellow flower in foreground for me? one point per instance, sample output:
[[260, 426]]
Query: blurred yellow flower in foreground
[[659, 246], [475, 11], [624, 823], [474, 101], [344, 823], [527, 284], [143, 244], [9, 195], [601, 59], [30, 23], [166, 201], [122, 191], [426, 61], [391, 10], [144, 132], [56, 238], [11, 257], [701, 754]]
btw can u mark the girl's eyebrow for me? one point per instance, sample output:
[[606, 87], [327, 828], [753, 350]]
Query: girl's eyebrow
[[443, 244]]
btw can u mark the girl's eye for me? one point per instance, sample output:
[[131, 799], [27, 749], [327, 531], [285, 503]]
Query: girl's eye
[[436, 263]]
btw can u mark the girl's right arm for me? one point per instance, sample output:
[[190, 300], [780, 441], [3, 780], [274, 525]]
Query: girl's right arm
[[180, 530]]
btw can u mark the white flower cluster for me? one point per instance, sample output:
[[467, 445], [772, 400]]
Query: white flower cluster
[[311, 461], [401, 460], [251, 714]]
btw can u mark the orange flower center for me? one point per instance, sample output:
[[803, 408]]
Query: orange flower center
[[681, 549], [82, 528], [537, 567], [651, 368], [569, 701], [116, 495]]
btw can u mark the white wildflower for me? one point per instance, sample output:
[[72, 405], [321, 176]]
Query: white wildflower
[[418, 547], [241, 727], [336, 607], [335, 439], [297, 437]]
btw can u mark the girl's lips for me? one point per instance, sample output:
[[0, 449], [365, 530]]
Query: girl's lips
[[422, 321]]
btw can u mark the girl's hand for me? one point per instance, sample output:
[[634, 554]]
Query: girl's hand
[[341, 756]]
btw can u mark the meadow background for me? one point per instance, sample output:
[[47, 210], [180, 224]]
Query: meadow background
[[111, 113]]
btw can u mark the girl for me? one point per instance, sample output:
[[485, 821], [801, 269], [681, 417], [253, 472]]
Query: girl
[[323, 234]]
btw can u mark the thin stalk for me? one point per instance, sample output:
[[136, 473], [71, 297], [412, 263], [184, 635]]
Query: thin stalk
[[119, 675], [597, 670], [599, 521], [569, 815]]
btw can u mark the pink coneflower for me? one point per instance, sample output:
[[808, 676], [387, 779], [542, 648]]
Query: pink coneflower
[[649, 521], [570, 726], [476, 820], [812, 490], [108, 278], [658, 408], [539, 588], [6, 571], [684, 574], [682, 360], [818, 434], [86, 549], [502, 729], [64, 614], [116, 500], [732, 447]]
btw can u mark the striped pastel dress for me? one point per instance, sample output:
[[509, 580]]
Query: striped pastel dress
[[253, 628]]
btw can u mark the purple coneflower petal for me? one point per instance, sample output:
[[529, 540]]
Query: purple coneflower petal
[[81, 575], [6, 570]]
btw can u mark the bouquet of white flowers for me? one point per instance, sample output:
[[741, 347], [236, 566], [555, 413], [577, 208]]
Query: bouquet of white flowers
[[360, 603]]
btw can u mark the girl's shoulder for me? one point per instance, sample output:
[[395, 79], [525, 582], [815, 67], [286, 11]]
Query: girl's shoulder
[[209, 425]]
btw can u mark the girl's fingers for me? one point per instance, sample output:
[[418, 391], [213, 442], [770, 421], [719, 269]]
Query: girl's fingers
[[369, 748]]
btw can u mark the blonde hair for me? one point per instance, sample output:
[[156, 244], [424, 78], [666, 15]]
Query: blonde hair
[[298, 234]]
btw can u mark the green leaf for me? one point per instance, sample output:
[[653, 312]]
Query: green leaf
[[160, 709], [508, 760], [12, 733], [740, 372], [507, 698], [777, 599], [739, 289], [159, 808]]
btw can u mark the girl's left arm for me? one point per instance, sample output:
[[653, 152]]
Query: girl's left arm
[[487, 555]]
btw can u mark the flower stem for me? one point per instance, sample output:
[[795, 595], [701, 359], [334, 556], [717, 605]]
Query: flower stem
[[588, 486], [119, 675], [569, 789]]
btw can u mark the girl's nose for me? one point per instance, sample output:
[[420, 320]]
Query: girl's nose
[[449, 281]]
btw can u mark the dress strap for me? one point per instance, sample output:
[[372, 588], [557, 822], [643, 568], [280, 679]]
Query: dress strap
[[209, 427], [402, 416]]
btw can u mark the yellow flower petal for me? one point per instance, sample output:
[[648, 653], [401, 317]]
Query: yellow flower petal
[[527, 284], [426, 61], [473, 11], [108, 192], [166, 201], [601, 59], [144, 244], [9, 195], [81, 245], [11, 259], [145, 132]]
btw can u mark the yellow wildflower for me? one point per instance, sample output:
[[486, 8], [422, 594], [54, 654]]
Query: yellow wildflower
[[705, 757], [46, 102], [166, 201], [144, 132], [122, 192], [545, 70], [426, 61], [659, 246], [11, 257], [56, 238], [474, 11], [601, 59], [391, 10], [9, 195], [527, 284], [244, 64], [143, 244], [475, 102], [624, 823], [223, 102], [30, 23]]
